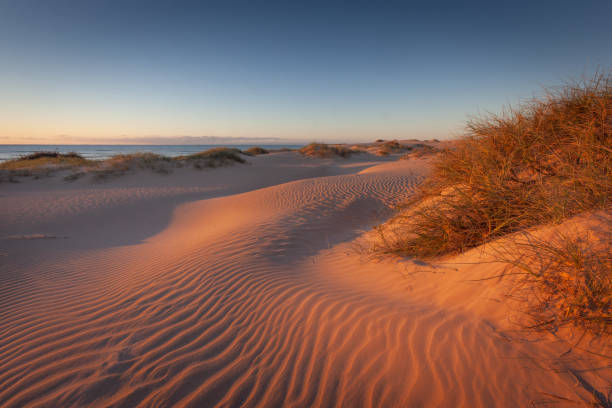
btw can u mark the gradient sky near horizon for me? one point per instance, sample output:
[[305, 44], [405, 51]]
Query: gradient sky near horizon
[[109, 71]]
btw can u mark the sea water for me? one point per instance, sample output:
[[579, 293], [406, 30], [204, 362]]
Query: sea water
[[98, 152]]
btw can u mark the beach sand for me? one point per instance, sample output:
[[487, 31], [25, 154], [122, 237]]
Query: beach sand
[[246, 286]]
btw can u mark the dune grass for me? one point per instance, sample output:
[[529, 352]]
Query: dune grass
[[322, 150], [211, 158], [420, 150], [136, 161], [387, 148], [45, 163], [540, 163], [255, 151], [40, 164], [216, 153], [45, 159], [566, 279]]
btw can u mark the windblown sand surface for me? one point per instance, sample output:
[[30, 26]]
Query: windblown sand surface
[[244, 286]]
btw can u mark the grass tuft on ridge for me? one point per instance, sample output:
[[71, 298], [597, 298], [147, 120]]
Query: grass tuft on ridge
[[44, 159], [255, 151], [323, 150], [537, 164], [540, 163]]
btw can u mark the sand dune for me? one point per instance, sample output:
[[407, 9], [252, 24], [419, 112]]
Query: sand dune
[[250, 293]]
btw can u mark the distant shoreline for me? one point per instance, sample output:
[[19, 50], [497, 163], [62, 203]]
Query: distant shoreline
[[105, 151]]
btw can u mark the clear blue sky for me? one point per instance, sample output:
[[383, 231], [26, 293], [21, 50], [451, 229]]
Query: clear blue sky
[[105, 70]]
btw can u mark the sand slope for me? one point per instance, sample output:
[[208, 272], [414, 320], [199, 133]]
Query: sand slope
[[254, 299]]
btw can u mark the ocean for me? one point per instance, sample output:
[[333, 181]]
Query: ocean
[[99, 152]]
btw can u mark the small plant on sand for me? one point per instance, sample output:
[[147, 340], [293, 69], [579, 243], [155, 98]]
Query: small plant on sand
[[254, 151], [323, 150]]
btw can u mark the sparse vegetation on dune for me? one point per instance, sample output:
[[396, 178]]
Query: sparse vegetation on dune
[[393, 146], [46, 163], [211, 158], [45, 159], [282, 150], [255, 151], [127, 162], [541, 163], [566, 279], [323, 150], [420, 150], [123, 163], [40, 164]]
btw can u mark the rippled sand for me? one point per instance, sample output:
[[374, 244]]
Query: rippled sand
[[244, 286]]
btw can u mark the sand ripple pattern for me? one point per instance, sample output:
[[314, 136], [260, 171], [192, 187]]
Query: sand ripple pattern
[[230, 307]]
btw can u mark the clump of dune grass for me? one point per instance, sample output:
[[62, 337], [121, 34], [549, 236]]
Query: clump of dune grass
[[282, 150], [539, 163], [387, 148], [45, 159], [40, 164], [255, 151], [125, 162], [211, 158], [567, 280], [121, 164], [393, 146], [323, 150], [420, 150]]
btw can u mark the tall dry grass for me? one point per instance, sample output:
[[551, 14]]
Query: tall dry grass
[[540, 163]]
